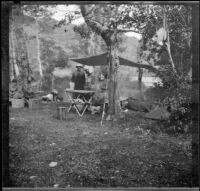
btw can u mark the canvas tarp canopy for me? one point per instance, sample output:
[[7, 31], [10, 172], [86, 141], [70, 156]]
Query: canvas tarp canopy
[[101, 59]]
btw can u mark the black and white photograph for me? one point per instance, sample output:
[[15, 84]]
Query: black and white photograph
[[100, 95]]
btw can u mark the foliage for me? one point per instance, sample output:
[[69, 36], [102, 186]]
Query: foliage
[[179, 24], [37, 11], [47, 54], [180, 104], [177, 99], [62, 58], [177, 87], [83, 30], [52, 56]]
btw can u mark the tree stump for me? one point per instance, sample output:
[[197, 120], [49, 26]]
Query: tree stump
[[61, 113]]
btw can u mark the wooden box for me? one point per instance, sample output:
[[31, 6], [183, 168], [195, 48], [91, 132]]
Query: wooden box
[[17, 103]]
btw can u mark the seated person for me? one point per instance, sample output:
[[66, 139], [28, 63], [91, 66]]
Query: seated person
[[100, 96]]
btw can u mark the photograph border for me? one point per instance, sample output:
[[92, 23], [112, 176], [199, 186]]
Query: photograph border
[[5, 9]]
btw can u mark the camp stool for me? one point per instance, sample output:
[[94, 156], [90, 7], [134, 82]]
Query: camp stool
[[61, 113]]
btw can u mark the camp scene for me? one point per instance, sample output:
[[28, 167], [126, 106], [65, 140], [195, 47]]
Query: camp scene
[[100, 95]]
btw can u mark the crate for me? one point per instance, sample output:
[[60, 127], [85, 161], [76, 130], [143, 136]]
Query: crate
[[17, 103], [33, 103]]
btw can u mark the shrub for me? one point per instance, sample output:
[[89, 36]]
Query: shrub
[[178, 102]]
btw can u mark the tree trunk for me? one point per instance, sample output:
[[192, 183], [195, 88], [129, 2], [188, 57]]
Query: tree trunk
[[168, 40], [38, 53], [14, 65], [52, 84], [11, 66], [27, 48], [110, 39], [27, 68], [113, 91], [38, 47], [92, 45], [23, 56], [170, 55], [140, 73]]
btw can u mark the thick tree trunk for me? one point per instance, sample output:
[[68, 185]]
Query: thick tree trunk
[[92, 45], [113, 91], [27, 53], [23, 55], [27, 48], [110, 39]]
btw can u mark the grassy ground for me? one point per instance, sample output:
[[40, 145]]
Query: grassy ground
[[119, 154]]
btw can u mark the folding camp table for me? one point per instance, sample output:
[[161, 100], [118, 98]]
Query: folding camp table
[[81, 93]]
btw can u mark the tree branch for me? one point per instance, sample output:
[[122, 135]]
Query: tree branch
[[89, 11], [95, 21], [94, 25], [121, 31]]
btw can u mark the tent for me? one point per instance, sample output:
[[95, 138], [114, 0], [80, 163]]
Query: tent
[[101, 59], [158, 113]]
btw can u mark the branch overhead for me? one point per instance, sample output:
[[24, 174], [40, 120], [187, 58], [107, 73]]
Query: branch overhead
[[121, 31], [93, 24]]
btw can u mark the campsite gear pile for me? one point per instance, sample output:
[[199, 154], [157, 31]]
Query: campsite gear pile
[[158, 113], [19, 98], [95, 109], [154, 112], [53, 96], [137, 105]]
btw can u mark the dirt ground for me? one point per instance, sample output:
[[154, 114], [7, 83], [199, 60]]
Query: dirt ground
[[126, 153]]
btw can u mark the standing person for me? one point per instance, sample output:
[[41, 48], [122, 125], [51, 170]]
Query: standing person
[[78, 78]]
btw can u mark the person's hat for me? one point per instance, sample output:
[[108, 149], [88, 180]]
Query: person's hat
[[79, 66]]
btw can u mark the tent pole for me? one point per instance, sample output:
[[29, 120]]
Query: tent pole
[[95, 79]]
